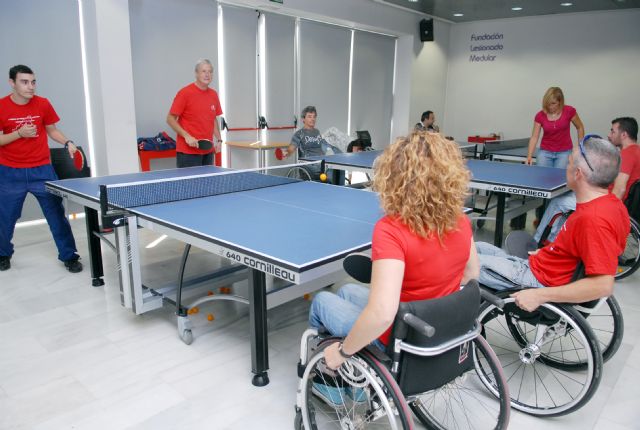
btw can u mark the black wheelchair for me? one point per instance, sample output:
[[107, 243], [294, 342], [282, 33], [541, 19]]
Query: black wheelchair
[[311, 171], [553, 356], [629, 261], [436, 365]]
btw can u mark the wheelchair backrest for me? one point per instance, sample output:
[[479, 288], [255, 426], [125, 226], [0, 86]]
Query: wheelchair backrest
[[633, 201], [451, 316]]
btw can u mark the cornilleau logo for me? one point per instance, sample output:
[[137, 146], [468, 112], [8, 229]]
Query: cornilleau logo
[[260, 265]]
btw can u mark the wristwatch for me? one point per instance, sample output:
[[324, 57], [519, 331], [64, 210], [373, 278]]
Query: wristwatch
[[342, 353], [66, 144]]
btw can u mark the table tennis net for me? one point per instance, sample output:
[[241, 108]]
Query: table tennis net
[[191, 187], [502, 145]]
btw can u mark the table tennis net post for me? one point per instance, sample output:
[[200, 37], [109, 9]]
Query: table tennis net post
[[117, 198]]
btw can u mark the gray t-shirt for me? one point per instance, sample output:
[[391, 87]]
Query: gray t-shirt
[[308, 141]]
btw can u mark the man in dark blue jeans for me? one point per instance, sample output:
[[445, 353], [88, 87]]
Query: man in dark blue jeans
[[26, 122]]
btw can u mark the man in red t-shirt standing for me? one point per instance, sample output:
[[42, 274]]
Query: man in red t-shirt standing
[[193, 117], [25, 122], [595, 234]]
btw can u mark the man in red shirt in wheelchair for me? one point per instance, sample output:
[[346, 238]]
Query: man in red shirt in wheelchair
[[595, 234]]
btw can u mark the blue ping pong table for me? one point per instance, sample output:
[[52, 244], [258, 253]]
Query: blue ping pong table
[[503, 179], [294, 230]]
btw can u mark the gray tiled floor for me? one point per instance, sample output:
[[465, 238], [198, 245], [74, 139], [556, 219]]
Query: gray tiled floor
[[72, 358]]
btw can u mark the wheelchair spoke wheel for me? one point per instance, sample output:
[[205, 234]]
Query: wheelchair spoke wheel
[[607, 324], [299, 173], [477, 399], [629, 261], [361, 394], [553, 364]]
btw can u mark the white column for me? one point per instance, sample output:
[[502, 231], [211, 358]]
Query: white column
[[110, 75]]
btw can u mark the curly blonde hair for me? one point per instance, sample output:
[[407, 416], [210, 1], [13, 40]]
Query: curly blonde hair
[[422, 180]]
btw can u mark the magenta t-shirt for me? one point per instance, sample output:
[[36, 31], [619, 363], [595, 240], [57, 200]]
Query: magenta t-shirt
[[556, 135]]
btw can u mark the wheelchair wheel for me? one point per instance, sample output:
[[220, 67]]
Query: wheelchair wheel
[[607, 323], [299, 173], [478, 399], [551, 357], [362, 393], [629, 261]]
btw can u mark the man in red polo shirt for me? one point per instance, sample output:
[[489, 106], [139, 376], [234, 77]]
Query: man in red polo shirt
[[26, 123], [595, 234], [193, 117]]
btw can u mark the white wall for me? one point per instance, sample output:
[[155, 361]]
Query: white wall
[[51, 48], [593, 57], [429, 76], [167, 39]]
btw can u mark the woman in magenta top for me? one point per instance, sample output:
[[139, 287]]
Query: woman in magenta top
[[555, 121]]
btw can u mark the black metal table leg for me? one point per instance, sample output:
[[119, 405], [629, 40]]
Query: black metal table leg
[[95, 251], [497, 238], [258, 327]]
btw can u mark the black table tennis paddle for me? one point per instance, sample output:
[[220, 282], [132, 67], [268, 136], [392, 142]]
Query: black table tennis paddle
[[205, 144]]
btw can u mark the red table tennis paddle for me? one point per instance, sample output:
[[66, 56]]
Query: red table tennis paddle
[[279, 154], [78, 160], [205, 144]]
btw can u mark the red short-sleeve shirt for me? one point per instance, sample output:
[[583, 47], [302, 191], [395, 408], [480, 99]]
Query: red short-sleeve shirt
[[596, 234], [556, 135], [196, 110], [630, 164], [432, 269], [26, 151]]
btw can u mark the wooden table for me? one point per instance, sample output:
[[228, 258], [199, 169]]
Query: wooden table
[[261, 147]]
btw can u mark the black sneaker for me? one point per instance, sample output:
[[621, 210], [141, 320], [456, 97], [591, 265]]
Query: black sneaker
[[5, 263], [73, 266]]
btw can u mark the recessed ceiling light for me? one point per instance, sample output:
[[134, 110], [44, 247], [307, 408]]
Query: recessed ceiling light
[[566, 4], [516, 8], [413, 1], [458, 14]]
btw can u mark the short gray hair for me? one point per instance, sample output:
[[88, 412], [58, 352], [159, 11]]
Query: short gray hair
[[202, 61], [603, 157], [308, 109]]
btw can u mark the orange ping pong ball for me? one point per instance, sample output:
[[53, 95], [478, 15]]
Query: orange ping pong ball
[[210, 317], [323, 177]]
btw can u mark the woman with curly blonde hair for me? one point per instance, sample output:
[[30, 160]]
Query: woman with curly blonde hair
[[422, 248]]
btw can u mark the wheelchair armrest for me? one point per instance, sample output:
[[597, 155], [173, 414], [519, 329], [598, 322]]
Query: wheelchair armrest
[[380, 355], [491, 298], [419, 325]]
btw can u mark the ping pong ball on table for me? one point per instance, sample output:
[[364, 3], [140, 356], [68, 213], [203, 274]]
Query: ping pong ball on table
[[323, 177]]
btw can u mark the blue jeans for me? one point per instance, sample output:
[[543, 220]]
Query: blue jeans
[[500, 270], [546, 158], [15, 183], [563, 203], [339, 312]]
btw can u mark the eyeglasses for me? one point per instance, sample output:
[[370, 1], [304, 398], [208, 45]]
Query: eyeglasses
[[581, 146]]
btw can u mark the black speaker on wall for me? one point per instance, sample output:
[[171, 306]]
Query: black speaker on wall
[[426, 30]]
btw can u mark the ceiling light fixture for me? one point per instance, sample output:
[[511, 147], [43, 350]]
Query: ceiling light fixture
[[516, 8], [566, 4], [458, 14], [413, 1]]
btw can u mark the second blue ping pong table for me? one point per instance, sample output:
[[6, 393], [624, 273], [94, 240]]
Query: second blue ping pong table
[[503, 179], [275, 226]]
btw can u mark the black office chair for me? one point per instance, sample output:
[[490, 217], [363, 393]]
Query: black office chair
[[64, 166]]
